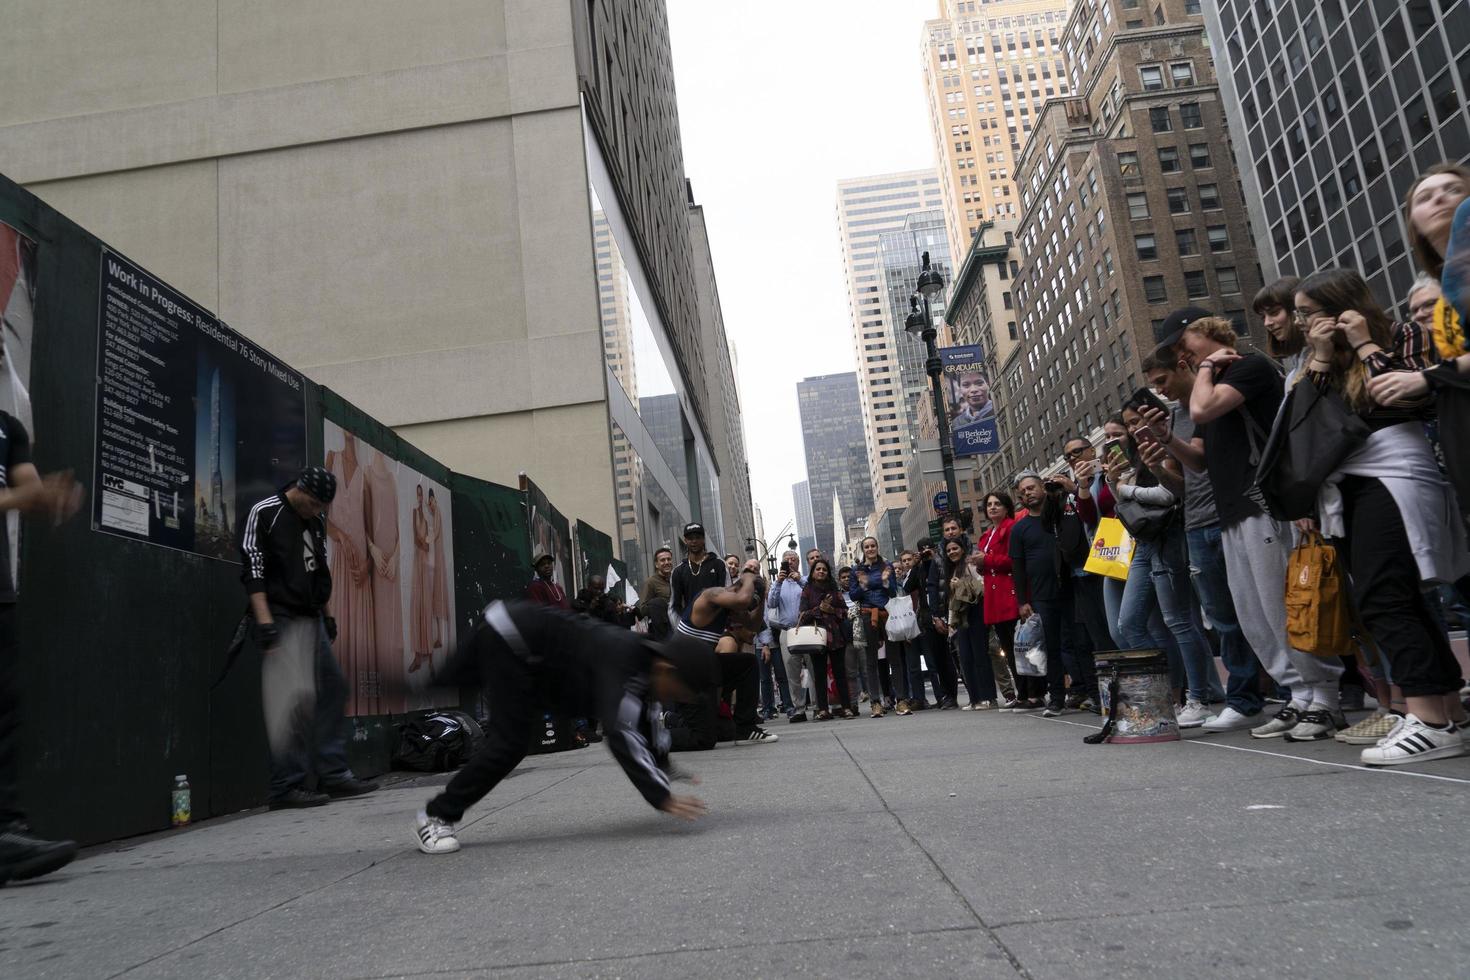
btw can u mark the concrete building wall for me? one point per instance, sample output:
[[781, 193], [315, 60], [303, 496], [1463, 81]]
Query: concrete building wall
[[391, 197]]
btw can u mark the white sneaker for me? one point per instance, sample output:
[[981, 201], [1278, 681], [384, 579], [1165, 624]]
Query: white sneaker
[[435, 836], [758, 736], [1193, 715], [1284, 721], [1231, 720], [1413, 741]]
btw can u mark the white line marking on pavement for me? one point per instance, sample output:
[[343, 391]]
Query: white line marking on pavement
[[1295, 758]]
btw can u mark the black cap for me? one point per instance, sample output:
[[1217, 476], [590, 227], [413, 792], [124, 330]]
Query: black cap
[[318, 482], [694, 527], [1167, 334], [692, 658]]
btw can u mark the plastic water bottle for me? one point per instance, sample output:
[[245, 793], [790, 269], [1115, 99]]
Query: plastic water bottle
[[182, 809]]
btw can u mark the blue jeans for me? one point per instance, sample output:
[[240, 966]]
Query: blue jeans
[[1158, 582], [775, 666], [303, 693], [1207, 571]]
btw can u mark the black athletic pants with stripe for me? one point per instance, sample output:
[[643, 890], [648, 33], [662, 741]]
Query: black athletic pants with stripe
[[510, 690]]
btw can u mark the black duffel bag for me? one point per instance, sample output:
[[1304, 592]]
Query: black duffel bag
[[437, 742]]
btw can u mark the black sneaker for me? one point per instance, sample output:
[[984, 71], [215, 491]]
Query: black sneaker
[[797, 717], [351, 786], [298, 798], [24, 856]]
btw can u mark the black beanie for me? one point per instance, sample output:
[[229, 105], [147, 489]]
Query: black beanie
[[319, 483]]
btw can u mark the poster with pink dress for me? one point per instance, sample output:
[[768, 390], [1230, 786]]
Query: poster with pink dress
[[391, 554]]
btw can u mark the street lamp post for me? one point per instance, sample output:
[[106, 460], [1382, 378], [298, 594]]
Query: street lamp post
[[766, 552], [931, 284]]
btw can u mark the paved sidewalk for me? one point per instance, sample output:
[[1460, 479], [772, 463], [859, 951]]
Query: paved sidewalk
[[951, 844]]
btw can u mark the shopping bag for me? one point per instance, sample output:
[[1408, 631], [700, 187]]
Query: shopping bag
[[1318, 611], [1112, 550], [903, 621], [1031, 639]]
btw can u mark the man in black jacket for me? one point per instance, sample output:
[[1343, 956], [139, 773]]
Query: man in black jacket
[[1036, 569], [530, 659], [283, 544], [700, 570]]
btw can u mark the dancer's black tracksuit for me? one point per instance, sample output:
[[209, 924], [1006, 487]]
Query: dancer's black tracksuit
[[531, 659]]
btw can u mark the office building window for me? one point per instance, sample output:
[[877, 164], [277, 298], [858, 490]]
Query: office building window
[[1199, 155], [1182, 73], [1178, 200], [1229, 281], [1158, 119], [1219, 238], [1209, 197], [1169, 159], [1153, 77], [1153, 290], [1186, 241], [1189, 114], [1128, 164], [1147, 245], [1138, 205]]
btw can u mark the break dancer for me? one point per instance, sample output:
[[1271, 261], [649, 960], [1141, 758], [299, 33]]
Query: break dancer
[[530, 659], [711, 616]]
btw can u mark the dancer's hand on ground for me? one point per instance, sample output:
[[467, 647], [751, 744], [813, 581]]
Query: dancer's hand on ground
[[684, 807]]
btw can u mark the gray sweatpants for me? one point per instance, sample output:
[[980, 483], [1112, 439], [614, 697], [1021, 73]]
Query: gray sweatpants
[[1256, 552]]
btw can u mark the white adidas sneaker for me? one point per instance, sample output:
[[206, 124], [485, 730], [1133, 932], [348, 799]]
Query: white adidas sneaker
[[435, 836], [1413, 741]]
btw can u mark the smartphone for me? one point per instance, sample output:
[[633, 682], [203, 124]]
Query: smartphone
[[1113, 450], [1145, 398]]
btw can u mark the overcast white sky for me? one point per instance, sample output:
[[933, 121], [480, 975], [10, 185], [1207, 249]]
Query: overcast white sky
[[777, 102]]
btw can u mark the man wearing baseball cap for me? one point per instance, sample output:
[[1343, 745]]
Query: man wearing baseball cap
[[543, 588], [283, 545], [700, 570]]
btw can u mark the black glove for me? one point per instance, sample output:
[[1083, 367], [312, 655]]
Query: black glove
[[331, 624], [266, 635]]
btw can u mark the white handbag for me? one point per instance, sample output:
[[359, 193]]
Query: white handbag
[[807, 639], [903, 621]]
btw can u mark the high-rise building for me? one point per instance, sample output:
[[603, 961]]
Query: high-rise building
[[982, 311], [1131, 208], [835, 451], [737, 516], [806, 524], [866, 208], [1335, 107], [900, 256], [480, 209], [989, 65]]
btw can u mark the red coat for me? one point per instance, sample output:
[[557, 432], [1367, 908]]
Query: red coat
[[995, 564]]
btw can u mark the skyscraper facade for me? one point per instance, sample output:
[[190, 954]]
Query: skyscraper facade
[[867, 207], [988, 67], [1131, 208], [1335, 106], [835, 451], [900, 255], [806, 524]]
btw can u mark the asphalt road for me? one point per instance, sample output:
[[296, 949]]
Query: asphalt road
[[950, 844]]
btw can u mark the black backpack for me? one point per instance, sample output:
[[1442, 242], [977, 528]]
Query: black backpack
[[438, 742]]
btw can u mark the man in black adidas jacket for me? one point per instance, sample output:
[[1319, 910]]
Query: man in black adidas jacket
[[283, 544], [530, 659]]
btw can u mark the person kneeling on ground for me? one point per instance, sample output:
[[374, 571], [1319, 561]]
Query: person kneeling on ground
[[530, 659], [709, 621]]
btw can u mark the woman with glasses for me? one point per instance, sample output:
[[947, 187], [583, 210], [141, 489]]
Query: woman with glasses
[[1396, 517]]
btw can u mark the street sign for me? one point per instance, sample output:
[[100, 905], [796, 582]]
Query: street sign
[[941, 502], [936, 531]]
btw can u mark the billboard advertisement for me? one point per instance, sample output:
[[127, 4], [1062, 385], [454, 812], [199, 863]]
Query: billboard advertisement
[[176, 456], [391, 548], [968, 405]]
